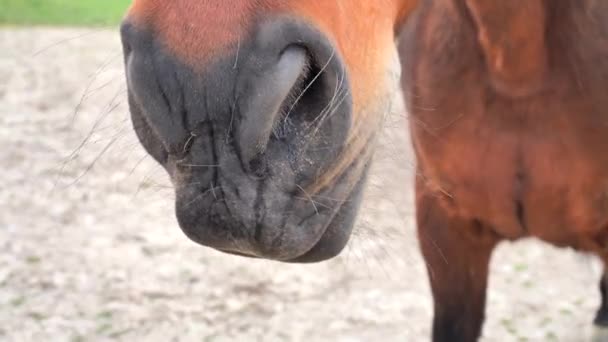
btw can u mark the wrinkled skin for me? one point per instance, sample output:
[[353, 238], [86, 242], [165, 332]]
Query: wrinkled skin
[[265, 114]]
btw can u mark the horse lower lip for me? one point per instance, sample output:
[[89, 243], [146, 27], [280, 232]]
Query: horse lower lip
[[246, 255]]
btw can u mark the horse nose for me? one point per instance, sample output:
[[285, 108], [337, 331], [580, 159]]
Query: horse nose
[[275, 85], [245, 128]]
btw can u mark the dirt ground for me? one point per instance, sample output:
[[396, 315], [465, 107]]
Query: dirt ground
[[90, 249]]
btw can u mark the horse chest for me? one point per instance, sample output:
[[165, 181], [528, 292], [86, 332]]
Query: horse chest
[[535, 167]]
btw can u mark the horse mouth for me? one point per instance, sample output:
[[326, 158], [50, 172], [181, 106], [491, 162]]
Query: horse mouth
[[288, 227]]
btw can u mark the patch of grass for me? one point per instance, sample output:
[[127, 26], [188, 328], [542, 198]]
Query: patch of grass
[[18, 301], [32, 259], [509, 326], [546, 321], [551, 336], [528, 284], [37, 316], [62, 12], [117, 334], [520, 267], [105, 314], [78, 338]]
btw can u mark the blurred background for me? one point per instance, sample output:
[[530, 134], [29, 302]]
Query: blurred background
[[90, 249]]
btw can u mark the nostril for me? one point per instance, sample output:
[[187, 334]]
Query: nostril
[[264, 95]]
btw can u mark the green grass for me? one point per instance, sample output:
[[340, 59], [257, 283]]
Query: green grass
[[62, 12]]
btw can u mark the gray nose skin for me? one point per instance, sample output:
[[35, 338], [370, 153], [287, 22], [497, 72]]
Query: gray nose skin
[[245, 135]]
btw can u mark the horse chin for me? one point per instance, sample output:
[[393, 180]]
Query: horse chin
[[331, 243], [305, 235], [334, 238]]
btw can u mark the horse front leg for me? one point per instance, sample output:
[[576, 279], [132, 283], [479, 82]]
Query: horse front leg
[[457, 254], [600, 324]]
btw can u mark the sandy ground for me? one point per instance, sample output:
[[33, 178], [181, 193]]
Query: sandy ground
[[90, 249]]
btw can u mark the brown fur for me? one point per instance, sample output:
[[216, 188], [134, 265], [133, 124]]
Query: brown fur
[[511, 134], [492, 151]]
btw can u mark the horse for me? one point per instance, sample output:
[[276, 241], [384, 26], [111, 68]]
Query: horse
[[265, 114]]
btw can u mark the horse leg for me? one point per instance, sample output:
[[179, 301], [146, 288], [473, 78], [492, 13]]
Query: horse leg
[[457, 253], [601, 318]]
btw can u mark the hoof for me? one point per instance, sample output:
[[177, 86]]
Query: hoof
[[600, 334]]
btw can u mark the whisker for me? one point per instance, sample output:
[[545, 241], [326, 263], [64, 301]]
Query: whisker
[[339, 91], [87, 138], [200, 165], [331, 107], [309, 198], [93, 77], [147, 180], [96, 159], [137, 164], [238, 50], [213, 190], [199, 196], [102, 86], [62, 41], [318, 126], [297, 100]]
